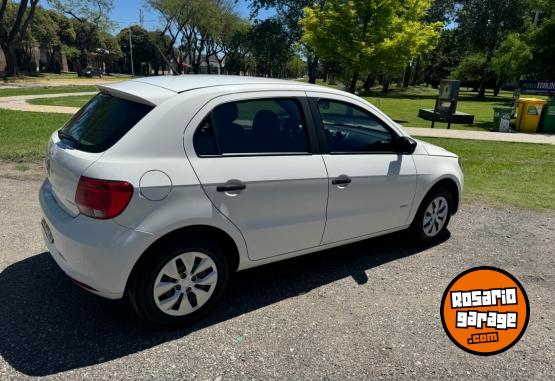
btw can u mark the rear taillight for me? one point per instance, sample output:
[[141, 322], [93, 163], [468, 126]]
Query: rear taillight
[[102, 199]]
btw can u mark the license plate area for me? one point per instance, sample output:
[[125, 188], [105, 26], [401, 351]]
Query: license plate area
[[47, 232]]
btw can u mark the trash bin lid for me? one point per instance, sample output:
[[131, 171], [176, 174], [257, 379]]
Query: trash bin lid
[[532, 100]]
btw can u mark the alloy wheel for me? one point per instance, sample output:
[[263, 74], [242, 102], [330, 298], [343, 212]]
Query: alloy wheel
[[185, 283], [435, 216]]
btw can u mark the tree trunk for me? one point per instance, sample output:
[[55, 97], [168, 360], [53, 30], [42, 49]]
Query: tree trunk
[[353, 85], [482, 89], [207, 60], [406, 76], [11, 60], [312, 63], [497, 87], [385, 84], [369, 82], [416, 73], [83, 61]]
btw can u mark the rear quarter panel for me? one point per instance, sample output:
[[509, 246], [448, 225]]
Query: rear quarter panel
[[156, 144]]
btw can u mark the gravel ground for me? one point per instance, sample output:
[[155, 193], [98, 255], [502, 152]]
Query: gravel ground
[[365, 311]]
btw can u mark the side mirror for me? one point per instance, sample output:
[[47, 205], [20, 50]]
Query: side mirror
[[406, 145]]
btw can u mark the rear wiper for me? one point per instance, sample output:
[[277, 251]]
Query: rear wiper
[[63, 135]]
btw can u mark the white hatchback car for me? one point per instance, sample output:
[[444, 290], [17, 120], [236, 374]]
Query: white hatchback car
[[161, 187]]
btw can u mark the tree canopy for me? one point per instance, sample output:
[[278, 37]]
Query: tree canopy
[[369, 35], [484, 43]]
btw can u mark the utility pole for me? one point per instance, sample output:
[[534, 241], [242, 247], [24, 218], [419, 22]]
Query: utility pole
[[131, 53]]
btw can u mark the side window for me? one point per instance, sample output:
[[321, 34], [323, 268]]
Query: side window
[[254, 126], [351, 129]]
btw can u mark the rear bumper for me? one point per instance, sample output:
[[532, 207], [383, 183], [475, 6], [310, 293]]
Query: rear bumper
[[97, 253]]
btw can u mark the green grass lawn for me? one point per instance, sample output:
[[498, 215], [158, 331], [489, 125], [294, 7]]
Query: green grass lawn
[[70, 101], [23, 135], [45, 90], [519, 174]]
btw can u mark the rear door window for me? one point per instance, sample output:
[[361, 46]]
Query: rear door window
[[262, 126], [102, 122]]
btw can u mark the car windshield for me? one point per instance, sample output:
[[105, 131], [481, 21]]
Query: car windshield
[[102, 122]]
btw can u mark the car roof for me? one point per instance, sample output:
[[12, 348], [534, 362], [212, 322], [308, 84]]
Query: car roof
[[185, 82], [157, 89]]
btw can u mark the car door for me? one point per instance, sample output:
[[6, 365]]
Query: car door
[[255, 158], [371, 187]]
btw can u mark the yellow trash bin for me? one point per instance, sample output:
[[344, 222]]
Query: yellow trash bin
[[528, 114]]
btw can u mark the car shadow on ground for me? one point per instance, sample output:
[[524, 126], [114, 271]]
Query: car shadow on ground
[[49, 325]]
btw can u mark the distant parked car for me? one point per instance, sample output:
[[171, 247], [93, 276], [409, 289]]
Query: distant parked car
[[90, 72], [160, 188]]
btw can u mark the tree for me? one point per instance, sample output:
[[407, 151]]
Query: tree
[[483, 24], [290, 13], [510, 59], [224, 41], [440, 62], [541, 40], [369, 35], [199, 28], [296, 67], [14, 21], [109, 51], [158, 43], [471, 68], [142, 48], [239, 59], [93, 11], [45, 33], [90, 18], [269, 47]]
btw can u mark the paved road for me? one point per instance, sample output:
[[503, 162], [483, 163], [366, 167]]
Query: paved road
[[482, 135], [366, 311]]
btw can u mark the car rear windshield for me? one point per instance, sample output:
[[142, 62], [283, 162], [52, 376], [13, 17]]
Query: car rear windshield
[[102, 122]]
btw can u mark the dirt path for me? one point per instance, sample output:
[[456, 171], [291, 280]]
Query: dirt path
[[52, 82], [19, 103]]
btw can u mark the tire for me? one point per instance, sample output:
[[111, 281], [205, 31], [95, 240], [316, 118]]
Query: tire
[[174, 277], [420, 229]]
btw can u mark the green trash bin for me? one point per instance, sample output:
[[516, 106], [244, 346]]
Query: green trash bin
[[549, 117], [502, 118]]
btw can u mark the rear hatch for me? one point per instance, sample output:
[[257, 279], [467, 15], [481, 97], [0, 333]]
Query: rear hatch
[[94, 129]]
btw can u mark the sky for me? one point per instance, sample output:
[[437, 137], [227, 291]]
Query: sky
[[126, 12]]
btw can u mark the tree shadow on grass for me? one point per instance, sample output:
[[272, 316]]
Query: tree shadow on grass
[[49, 325]]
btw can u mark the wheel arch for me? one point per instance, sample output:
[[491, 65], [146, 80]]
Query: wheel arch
[[226, 242], [449, 184]]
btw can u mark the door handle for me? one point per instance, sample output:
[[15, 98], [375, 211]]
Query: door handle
[[230, 187], [341, 180]]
